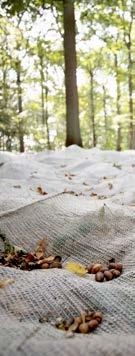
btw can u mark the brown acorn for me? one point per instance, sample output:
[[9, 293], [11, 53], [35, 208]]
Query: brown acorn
[[89, 268], [99, 277], [108, 275], [84, 328], [96, 268], [103, 269], [57, 259], [56, 265], [119, 266], [98, 316], [93, 324], [112, 265], [44, 265], [115, 273]]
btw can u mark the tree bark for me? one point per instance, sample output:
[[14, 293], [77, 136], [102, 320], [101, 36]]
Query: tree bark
[[92, 109], [130, 88], [44, 100], [73, 135], [20, 108], [105, 115], [118, 110]]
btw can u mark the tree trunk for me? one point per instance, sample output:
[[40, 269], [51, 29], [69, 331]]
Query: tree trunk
[[20, 109], [119, 138], [130, 88], [105, 115], [73, 135], [44, 100], [92, 109]]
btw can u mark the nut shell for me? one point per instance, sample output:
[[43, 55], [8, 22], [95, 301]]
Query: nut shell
[[108, 275], [93, 324], [45, 265], [99, 277], [84, 328], [98, 316], [96, 268]]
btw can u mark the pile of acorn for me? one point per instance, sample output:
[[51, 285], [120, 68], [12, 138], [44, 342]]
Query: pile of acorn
[[105, 272], [84, 323]]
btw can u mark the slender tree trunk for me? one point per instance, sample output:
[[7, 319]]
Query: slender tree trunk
[[73, 135], [118, 110], [44, 100], [105, 115], [20, 108], [130, 88], [92, 108], [46, 117]]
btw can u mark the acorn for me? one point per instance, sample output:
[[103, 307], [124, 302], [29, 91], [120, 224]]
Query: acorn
[[93, 324], [115, 273], [103, 269], [45, 265], [119, 266], [96, 268], [112, 265], [56, 265], [89, 268], [99, 277], [89, 316], [108, 275], [84, 328], [57, 259], [98, 316]]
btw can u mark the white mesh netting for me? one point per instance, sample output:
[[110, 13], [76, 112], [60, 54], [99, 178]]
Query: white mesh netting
[[80, 228]]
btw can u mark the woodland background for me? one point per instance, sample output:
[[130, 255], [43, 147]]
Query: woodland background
[[38, 61]]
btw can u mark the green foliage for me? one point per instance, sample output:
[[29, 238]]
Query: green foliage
[[102, 35]]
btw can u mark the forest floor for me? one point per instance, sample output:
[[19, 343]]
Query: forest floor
[[82, 202], [100, 175]]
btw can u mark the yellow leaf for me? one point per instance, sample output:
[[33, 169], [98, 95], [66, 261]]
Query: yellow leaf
[[5, 282], [77, 268]]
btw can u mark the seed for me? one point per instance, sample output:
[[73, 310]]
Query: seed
[[98, 316], [84, 328], [99, 277], [89, 268], [115, 273], [112, 265], [92, 324], [55, 265], [57, 259], [108, 275], [103, 269], [89, 316], [119, 266], [69, 322], [45, 265], [96, 268]]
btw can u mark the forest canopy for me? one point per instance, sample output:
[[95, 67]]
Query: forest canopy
[[38, 104]]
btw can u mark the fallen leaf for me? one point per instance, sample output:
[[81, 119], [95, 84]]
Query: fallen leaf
[[76, 268], [41, 248], [110, 185], [41, 191], [6, 282]]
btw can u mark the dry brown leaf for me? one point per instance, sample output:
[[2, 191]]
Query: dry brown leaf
[[5, 282], [41, 248], [41, 191]]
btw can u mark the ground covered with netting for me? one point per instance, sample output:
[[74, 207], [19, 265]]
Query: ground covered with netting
[[83, 202]]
